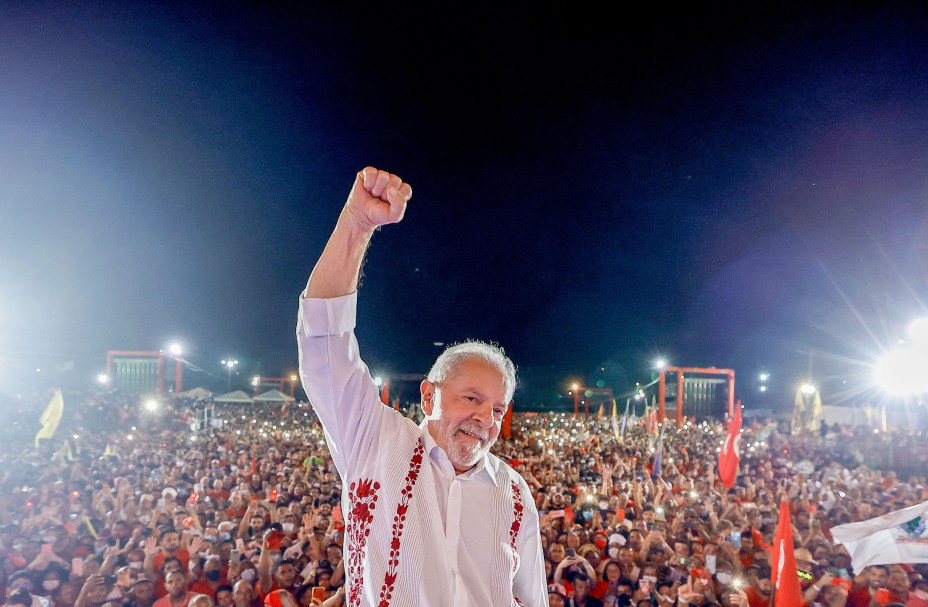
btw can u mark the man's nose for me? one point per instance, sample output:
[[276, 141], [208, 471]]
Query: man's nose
[[484, 414]]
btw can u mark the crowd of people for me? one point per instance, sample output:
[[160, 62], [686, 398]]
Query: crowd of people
[[125, 507]]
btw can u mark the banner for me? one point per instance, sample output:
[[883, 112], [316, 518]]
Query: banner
[[729, 457], [658, 467], [50, 418], [896, 537], [615, 422]]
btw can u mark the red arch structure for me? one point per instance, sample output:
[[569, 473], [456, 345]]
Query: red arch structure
[[113, 359], [679, 371]]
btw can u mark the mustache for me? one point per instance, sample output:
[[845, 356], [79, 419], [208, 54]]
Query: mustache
[[474, 429]]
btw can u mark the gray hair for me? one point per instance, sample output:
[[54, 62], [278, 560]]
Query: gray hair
[[447, 364], [202, 598]]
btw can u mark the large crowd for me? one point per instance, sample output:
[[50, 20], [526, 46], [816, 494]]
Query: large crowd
[[129, 507]]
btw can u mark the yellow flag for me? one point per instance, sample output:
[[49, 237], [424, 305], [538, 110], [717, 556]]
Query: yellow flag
[[90, 528], [51, 417], [817, 412]]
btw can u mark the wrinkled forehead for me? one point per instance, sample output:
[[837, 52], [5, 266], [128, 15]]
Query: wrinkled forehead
[[477, 375]]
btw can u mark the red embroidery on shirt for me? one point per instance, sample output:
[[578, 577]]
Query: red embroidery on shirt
[[517, 509], [362, 499], [399, 519], [516, 602]]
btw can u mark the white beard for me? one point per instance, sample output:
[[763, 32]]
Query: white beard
[[463, 451]]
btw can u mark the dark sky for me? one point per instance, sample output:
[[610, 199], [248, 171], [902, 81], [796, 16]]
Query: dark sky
[[593, 188]]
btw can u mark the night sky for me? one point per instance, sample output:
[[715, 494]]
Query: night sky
[[593, 188]]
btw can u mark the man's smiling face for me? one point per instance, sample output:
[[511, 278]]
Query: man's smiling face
[[465, 411]]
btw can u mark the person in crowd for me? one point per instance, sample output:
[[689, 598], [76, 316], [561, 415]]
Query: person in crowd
[[94, 503], [224, 596], [244, 595], [143, 593], [175, 583]]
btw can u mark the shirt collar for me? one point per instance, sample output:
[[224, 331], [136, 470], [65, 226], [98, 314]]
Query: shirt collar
[[485, 467]]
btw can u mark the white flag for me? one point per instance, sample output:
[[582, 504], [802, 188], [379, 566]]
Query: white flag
[[897, 537]]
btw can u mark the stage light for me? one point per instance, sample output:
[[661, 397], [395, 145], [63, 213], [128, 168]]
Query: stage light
[[151, 405], [103, 378], [808, 389]]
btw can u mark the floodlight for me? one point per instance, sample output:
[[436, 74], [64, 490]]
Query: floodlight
[[902, 372]]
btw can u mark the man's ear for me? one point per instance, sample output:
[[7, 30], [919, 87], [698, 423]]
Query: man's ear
[[427, 390]]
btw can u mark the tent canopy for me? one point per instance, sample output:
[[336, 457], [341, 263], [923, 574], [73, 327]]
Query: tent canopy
[[273, 396], [197, 393], [238, 396]]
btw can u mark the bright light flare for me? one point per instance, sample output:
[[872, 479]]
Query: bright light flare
[[918, 331], [903, 371], [808, 389], [660, 363], [103, 378], [151, 405], [175, 349], [378, 381]]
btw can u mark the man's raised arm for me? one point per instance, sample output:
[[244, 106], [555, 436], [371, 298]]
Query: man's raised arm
[[376, 198]]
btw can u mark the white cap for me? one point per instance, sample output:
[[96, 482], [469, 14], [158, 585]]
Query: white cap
[[617, 538]]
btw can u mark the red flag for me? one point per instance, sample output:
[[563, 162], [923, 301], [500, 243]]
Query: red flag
[[729, 456], [385, 392], [507, 422], [786, 591]]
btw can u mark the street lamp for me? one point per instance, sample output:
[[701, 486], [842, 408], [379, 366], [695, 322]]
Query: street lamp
[[229, 364]]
